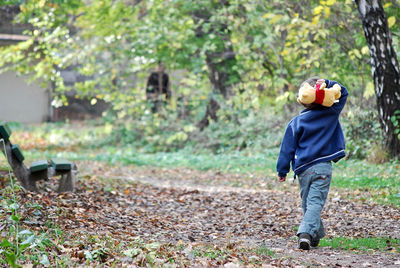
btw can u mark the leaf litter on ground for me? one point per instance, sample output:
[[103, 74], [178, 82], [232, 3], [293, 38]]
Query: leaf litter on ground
[[182, 217]]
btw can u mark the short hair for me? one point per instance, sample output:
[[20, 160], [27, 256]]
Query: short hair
[[312, 81]]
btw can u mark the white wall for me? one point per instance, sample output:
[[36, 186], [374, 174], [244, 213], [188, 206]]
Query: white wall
[[20, 101]]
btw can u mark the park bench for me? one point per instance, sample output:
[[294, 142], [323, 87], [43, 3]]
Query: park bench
[[38, 170]]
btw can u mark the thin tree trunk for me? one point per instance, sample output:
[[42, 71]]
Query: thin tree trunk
[[219, 64], [211, 113], [385, 68]]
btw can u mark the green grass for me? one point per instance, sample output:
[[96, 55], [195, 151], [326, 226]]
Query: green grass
[[356, 174], [379, 182], [234, 162], [363, 244], [264, 250], [212, 253], [228, 162]]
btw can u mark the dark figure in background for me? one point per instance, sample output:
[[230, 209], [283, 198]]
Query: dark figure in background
[[158, 89]]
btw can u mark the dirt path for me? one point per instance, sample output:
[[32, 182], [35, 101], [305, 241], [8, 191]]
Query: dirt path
[[185, 206]]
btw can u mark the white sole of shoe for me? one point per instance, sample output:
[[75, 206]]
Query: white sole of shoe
[[304, 244]]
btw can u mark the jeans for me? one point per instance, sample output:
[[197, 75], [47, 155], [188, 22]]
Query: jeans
[[314, 187]]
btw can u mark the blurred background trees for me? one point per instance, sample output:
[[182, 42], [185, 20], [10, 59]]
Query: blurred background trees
[[231, 61]]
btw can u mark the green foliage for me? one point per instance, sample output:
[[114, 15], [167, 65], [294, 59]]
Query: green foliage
[[147, 252], [363, 133], [20, 244], [11, 2], [218, 254], [99, 254], [169, 131], [276, 45], [264, 250], [396, 123], [113, 44], [241, 131]]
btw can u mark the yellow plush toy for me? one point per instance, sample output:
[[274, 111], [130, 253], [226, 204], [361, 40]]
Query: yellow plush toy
[[320, 94]]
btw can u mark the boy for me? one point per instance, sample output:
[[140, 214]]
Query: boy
[[311, 141]]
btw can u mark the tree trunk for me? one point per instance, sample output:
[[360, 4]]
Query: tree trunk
[[220, 62], [211, 113], [385, 68], [220, 70]]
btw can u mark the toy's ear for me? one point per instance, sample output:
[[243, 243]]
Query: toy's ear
[[298, 100], [307, 86], [337, 89]]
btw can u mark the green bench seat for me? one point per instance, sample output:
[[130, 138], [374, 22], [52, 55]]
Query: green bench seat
[[5, 131], [39, 165], [17, 152], [61, 164]]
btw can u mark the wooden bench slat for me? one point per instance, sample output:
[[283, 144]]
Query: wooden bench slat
[[17, 152], [61, 164], [39, 165], [5, 131]]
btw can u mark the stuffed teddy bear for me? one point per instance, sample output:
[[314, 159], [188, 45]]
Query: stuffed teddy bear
[[320, 94]]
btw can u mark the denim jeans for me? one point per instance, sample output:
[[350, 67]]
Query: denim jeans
[[314, 187]]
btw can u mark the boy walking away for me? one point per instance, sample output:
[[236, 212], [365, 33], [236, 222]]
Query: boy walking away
[[311, 141]]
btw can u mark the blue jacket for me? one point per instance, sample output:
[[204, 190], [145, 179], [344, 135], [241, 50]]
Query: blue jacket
[[312, 137]]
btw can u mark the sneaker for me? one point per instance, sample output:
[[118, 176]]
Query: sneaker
[[304, 241], [315, 242]]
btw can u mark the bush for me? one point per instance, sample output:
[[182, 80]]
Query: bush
[[167, 132], [363, 135], [250, 131]]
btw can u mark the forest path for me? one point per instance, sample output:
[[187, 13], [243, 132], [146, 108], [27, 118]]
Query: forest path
[[193, 207]]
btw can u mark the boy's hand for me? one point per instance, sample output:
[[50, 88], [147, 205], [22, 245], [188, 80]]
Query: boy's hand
[[282, 179]]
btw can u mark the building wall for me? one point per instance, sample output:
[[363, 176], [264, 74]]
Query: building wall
[[22, 102], [7, 16]]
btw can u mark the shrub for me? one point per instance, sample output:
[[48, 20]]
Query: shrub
[[167, 132], [363, 135]]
